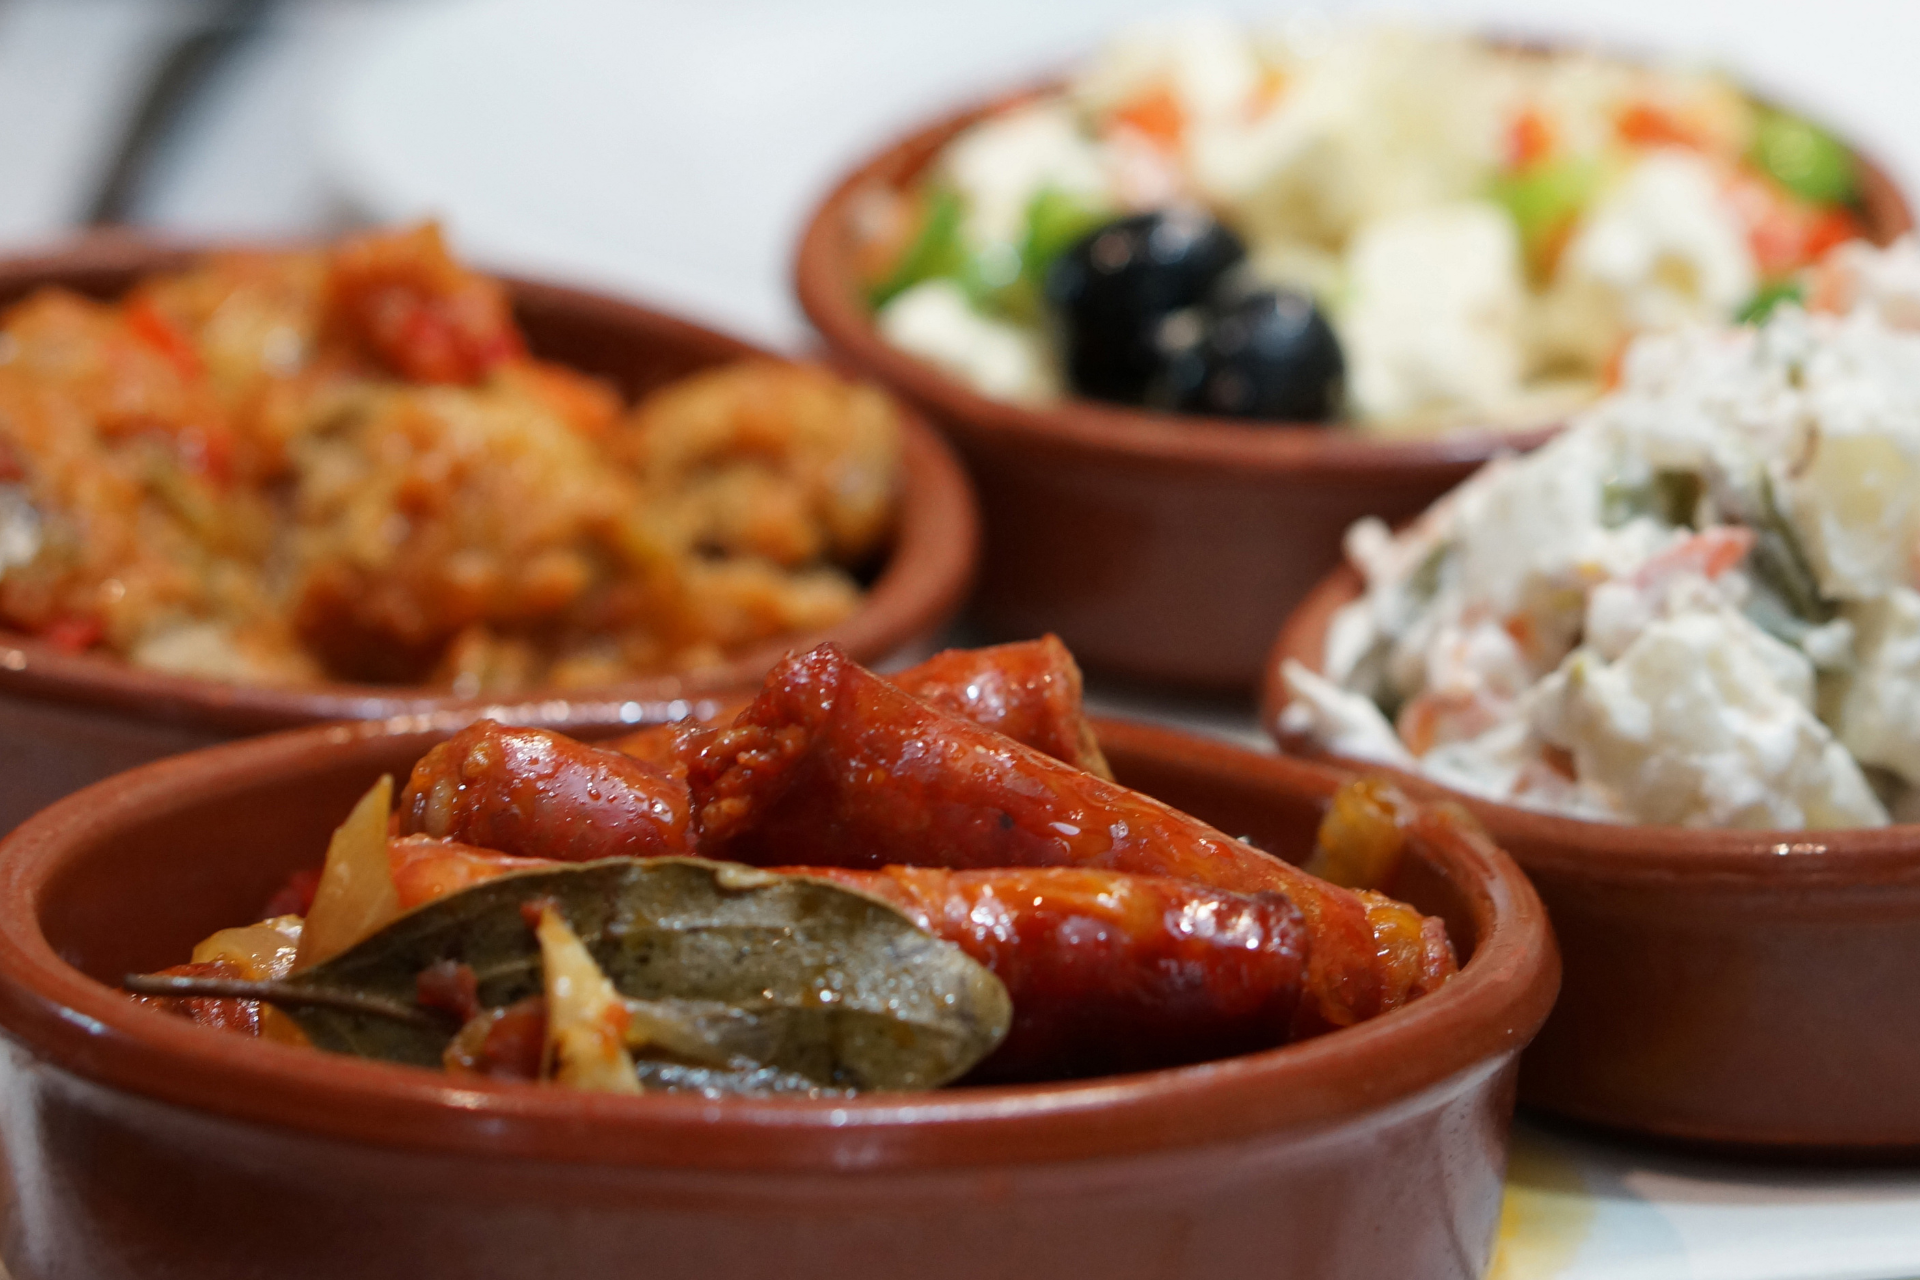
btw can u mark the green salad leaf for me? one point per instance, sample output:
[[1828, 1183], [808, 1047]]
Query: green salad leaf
[[1804, 158], [1767, 297], [1545, 200], [939, 249]]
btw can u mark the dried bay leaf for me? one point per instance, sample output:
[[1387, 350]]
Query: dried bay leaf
[[700, 1032], [816, 980]]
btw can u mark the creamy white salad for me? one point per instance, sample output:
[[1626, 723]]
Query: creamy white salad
[[1482, 227], [1696, 606]]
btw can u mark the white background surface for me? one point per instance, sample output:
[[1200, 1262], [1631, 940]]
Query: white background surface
[[678, 147], [671, 150]]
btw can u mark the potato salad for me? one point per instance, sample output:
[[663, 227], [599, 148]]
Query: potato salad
[[1407, 230], [1697, 606]]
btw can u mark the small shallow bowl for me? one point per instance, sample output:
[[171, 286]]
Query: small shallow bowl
[[69, 719], [1159, 546], [138, 1144], [1753, 988]]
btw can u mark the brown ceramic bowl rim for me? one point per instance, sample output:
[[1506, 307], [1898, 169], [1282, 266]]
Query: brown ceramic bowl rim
[[1615, 852], [827, 294], [925, 576], [1499, 999]]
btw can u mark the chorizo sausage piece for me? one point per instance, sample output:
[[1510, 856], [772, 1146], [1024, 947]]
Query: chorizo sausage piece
[[668, 747], [833, 766], [536, 794], [1029, 690], [1109, 972]]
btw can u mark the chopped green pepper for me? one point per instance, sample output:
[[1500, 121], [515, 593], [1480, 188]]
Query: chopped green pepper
[[1785, 586], [1805, 159], [1545, 199], [1769, 296], [1055, 220], [1669, 496], [939, 250]]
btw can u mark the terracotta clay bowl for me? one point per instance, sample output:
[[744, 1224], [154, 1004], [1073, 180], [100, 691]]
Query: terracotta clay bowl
[[138, 1144], [67, 720], [1159, 546], [1739, 987]]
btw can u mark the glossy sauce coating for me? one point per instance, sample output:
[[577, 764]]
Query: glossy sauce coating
[[536, 794], [241, 1016], [1110, 972], [1029, 690], [833, 766], [504, 1044], [1361, 845], [668, 747]]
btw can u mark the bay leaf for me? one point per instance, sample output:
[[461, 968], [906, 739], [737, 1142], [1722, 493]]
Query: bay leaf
[[703, 1032], [818, 981]]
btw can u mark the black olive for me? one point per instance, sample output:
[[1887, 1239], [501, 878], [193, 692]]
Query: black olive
[[1111, 290], [1266, 353], [1180, 348]]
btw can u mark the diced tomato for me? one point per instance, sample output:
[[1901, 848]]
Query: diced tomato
[[295, 897], [1417, 723], [1525, 635], [532, 909], [73, 635], [1644, 124], [420, 313], [451, 986], [1156, 114], [1829, 228], [1709, 553], [12, 465], [1431, 717], [1530, 139], [426, 344], [206, 450], [153, 328], [241, 1016], [1615, 367], [515, 1044], [1785, 232]]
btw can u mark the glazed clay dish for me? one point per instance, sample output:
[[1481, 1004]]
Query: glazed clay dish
[[1160, 546], [1739, 987], [67, 719], [141, 1144]]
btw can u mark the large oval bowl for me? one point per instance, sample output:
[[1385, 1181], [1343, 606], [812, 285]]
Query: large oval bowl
[[1741, 987], [138, 1144], [69, 719], [1159, 546]]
